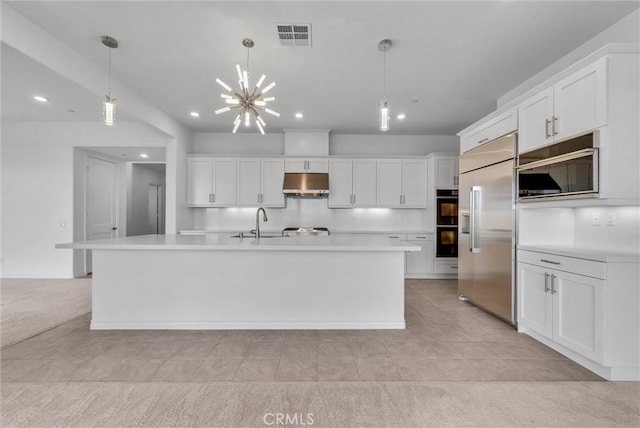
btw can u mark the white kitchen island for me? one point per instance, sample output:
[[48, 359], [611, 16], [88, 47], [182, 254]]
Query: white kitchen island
[[211, 282]]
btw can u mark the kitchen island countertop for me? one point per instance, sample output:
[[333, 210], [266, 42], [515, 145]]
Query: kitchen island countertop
[[213, 242]]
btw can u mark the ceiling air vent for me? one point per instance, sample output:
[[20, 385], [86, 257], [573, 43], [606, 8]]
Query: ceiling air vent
[[294, 34]]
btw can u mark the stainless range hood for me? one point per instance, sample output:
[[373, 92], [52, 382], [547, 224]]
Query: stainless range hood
[[306, 184]]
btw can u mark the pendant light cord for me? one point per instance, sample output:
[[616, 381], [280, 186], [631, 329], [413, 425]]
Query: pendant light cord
[[109, 82], [384, 74]]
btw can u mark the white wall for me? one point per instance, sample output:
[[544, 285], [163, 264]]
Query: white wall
[[33, 41], [142, 176], [339, 144], [625, 30], [392, 145], [238, 144], [38, 189]]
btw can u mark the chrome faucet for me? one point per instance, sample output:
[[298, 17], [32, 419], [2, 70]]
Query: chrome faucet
[[264, 218]]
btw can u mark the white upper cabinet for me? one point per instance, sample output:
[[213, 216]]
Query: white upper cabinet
[[306, 165], [212, 182], [402, 183], [534, 121], [352, 183], [494, 127], [248, 181], [389, 182], [573, 106], [272, 176], [414, 183], [340, 183], [446, 172], [580, 102], [260, 182], [364, 182]]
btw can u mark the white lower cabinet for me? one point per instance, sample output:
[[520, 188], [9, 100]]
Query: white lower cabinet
[[563, 306], [569, 304], [445, 267], [420, 263]]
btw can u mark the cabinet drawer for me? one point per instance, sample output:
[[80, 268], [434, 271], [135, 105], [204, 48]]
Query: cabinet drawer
[[446, 266], [397, 236], [419, 237], [568, 264]]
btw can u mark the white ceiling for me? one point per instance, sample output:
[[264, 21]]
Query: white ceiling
[[23, 78], [455, 58]]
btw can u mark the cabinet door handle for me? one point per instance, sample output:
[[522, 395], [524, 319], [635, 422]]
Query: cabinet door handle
[[547, 134], [550, 261], [394, 237], [546, 282], [354, 199], [553, 285], [421, 237], [482, 141], [213, 198], [554, 125]]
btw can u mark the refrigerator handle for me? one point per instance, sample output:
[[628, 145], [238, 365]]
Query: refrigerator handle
[[474, 220]]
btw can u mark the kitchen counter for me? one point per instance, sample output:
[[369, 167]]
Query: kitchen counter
[[223, 243], [584, 253], [219, 282]]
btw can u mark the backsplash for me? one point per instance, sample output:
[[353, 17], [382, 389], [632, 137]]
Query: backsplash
[[314, 213], [585, 227], [623, 236]]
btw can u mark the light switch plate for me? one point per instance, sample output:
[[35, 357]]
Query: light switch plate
[[611, 219], [595, 219]]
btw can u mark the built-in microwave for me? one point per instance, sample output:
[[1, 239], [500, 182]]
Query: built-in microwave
[[564, 170]]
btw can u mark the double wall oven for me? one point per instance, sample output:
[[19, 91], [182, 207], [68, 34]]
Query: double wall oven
[[446, 223]]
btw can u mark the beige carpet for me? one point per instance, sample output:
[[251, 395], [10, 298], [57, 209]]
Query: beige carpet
[[31, 306], [332, 404]]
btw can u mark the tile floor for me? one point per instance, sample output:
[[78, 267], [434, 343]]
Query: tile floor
[[445, 340]]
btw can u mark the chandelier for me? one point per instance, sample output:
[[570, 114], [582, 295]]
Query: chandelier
[[250, 102]]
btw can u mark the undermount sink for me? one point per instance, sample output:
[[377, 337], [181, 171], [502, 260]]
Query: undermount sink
[[253, 236]]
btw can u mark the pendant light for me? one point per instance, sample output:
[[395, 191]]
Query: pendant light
[[383, 119], [109, 105]]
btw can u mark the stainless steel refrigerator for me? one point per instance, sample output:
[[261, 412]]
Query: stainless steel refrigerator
[[486, 238]]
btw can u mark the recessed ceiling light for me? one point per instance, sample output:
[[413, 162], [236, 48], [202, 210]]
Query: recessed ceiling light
[[401, 116], [195, 114], [299, 115], [40, 98], [144, 155]]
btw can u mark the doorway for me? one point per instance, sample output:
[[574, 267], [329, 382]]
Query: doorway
[[146, 207], [156, 209]]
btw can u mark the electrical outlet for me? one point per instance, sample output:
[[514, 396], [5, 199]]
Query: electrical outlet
[[595, 219], [611, 219]]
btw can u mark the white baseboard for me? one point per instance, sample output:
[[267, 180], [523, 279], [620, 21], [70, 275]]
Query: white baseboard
[[248, 325]]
